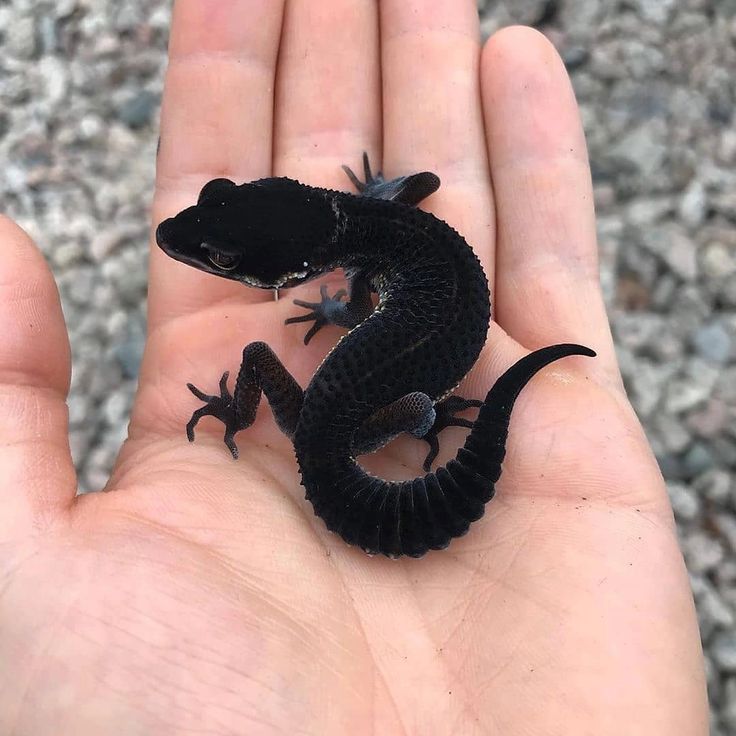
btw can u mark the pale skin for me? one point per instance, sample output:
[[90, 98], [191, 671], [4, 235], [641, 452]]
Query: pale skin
[[200, 594]]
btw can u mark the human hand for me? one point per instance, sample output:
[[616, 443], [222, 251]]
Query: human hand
[[201, 594]]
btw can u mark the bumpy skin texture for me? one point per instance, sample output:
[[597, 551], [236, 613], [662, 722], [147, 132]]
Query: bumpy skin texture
[[383, 377]]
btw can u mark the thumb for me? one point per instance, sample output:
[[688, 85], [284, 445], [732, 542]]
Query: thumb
[[37, 478]]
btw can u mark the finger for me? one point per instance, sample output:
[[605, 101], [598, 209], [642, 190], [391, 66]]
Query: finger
[[36, 472], [547, 287], [216, 121], [432, 117], [328, 92]]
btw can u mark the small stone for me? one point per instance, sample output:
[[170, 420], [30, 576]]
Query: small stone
[[116, 324], [21, 37], [711, 420], [115, 408], [67, 254], [655, 11], [728, 711], [79, 442], [47, 31], [80, 286], [670, 467], [723, 650], [702, 552], [79, 409], [160, 19], [632, 294], [713, 343], [55, 76], [645, 385], [664, 293], [719, 261], [715, 485], [672, 245], [723, 448], [575, 56], [727, 146], [138, 111], [109, 240], [129, 352], [713, 612], [726, 385], [693, 205], [726, 525], [64, 8], [725, 575], [674, 436], [693, 387], [698, 459], [90, 126], [648, 210], [604, 196], [641, 149], [684, 500], [712, 679]]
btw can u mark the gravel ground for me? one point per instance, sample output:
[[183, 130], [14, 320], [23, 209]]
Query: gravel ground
[[80, 86]]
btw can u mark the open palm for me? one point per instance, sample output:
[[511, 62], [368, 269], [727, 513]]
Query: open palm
[[201, 595]]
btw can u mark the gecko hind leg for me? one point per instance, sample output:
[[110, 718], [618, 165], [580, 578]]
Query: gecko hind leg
[[416, 415], [413, 413], [260, 372]]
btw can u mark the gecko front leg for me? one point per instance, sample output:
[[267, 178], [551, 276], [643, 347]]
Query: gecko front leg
[[334, 311], [260, 371]]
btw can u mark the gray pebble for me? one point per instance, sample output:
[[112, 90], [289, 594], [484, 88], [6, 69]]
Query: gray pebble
[[693, 205], [692, 387], [724, 651], [674, 247], [21, 37], [713, 612], [138, 111], [716, 485], [116, 407], [702, 552], [654, 11], [728, 714], [713, 342], [641, 149], [726, 525], [698, 459], [684, 500]]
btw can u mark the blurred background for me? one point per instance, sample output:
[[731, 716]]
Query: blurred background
[[80, 89]]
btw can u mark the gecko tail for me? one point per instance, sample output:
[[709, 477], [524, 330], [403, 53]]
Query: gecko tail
[[398, 518]]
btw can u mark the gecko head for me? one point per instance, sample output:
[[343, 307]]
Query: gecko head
[[269, 233]]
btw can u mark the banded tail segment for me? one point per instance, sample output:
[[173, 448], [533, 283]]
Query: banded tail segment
[[412, 517]]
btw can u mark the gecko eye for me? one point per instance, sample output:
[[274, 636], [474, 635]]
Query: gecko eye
[[224, 261]]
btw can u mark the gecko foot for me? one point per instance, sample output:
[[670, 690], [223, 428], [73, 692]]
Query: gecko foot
[[221, 407], [324, 312], [410, 189], [445, 411]]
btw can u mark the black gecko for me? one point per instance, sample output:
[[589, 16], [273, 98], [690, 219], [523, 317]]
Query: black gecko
[[391, 373]]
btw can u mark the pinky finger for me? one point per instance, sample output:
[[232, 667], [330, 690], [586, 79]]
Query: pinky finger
[[37, 478]]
